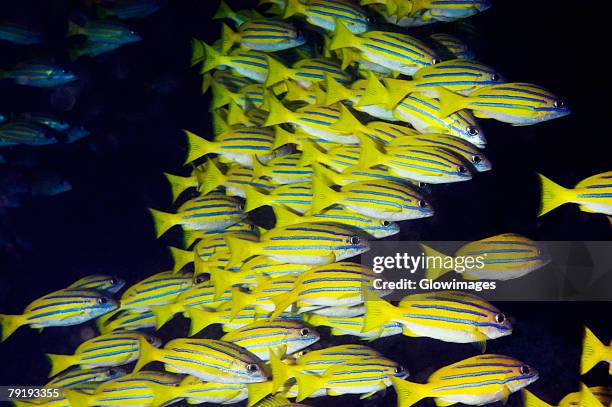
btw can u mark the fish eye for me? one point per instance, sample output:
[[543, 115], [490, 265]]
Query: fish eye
[[476, 159], [461, 169], [304, 331], [150, 339], [422, 203], [500, 318], [102, 300], [472, 131], [525, 369], [252, 368], [111, 372], [199, 279], [559, 104], [399, 369], [495, 77], [112, 281], [436, 61], [355, 240], [385, 223]]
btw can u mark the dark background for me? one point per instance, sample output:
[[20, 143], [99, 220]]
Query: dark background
[[137, 99]]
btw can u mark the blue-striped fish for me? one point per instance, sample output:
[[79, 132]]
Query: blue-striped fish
[[283, 170], [238, 17], [19, 34], [231, 79], [41, 75], [60, 308], [474, 381], [294, 92], [99, 282], [209, 212], [337, 284], [325, 13], [339, 158], [143, 389], [353, 326], [306, 72], [48, 119], [501, 257], [304, 243], [450, 47], [266, 35], [379, 199], [593, 352], [75, 377], [376, 228], [196, 391], [130, 9], [297, 197], [260, 296], [108, 350], [397, 52], [248, 64], [91, 49], [191, 236], [519, 104], [106, 31], [158, 289], [126, 320], [235, 179], [596, 396], [424, 163], [207, 359], [281, 336], [25, 132], [449, 316], [248, 97], [593, 194], [364, 376], [448, 10], [423, 113]]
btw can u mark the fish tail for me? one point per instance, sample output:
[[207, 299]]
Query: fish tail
[[335, 91], [221, 96], [378, 312], [210, 178], [593, 351], [74, 53], [259, 170], [224, 11], [277, 72], [162, 221], [284, 217], [320, 94], [162, 393], [342, 37], [59, 363], [397, 90], [180, 258], [292, 8], [450, 102], [189, 237], [147, 354], [211, 57], [207, 80], [283, 137], [327, 173], [254, 198], [434, 272], [200, 319], [78, 398], [163, 314], [278, 113], [239, 250], [375, 92], [219, 124], [197, 51], [228, 38], [240, 300], [408, 393], [323, 196], [310, 154], [258, 391], [371, 155], [236, 114], [307, 385], [179, 184], [282, 302], [9, 324], [102, 322], [73, 29], [280, 371], [531, 400], [553, 195], [587, 398], [197, 147]]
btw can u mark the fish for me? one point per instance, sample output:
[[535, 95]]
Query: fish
[[50, 120], [587, 396], [247, 97], [99, 282], [304, 243], [108, 350], [378, 229], [60, 308], [196, 391], [75, 377], [305, 72], [364, 376], [449, 316], [501, 257], [248, 64], [25, 132], [477, 380], [340, 311], [192, 236], [92, 49], [158, 289], [260, 295], [207, 359], [397, 52], [379, 199], [424, 163], [273, 335], [209, 212], [238, 17], [39, 74], [283, 170], [336, 284], [235, 179], [20, 34], [593, 194], [516, 103], [593, 352], [450, 47], [129, 9], [450, 10], [107, 31], [267, 35], [423, 113], [325, 14], [353, 326], [297, 197], [126, 320]]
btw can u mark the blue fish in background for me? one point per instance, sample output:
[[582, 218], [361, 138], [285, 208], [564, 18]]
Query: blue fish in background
[[38, 74], [47, 119], [25, 132], [2, 118], [130, 9], [92, 49], [110, 32], [48, 184], [19, 34], [75, 133]]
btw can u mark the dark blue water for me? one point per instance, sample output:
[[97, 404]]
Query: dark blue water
[[137, 99]]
